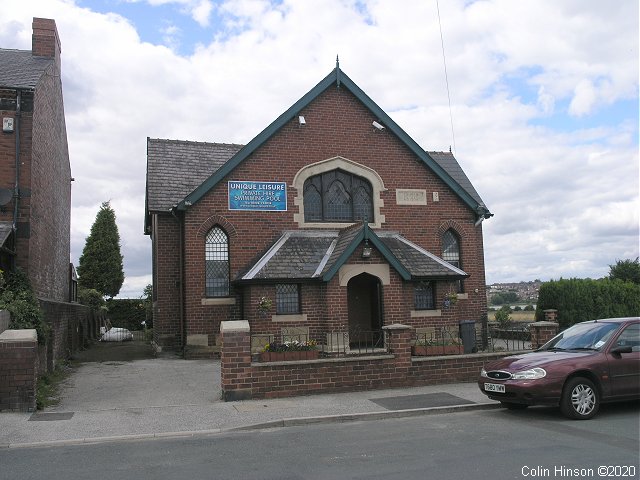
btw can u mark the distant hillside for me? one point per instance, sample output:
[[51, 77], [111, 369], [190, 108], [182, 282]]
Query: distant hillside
[[527, 292]]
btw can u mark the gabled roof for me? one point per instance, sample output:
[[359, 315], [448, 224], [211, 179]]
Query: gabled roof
[[448, 171], [20, 69], [449, 163], [176, 167], [300, 255]]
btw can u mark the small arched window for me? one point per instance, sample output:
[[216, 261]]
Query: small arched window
[[337, 196], [451, 252], [217, 263]]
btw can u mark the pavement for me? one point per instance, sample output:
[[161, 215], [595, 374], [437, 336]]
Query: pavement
[[170, 397]]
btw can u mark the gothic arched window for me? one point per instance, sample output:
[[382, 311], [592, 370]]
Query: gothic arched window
[[216, 263], [337, 196]]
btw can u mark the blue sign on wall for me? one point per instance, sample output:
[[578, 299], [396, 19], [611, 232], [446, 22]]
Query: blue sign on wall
[[258, 196]]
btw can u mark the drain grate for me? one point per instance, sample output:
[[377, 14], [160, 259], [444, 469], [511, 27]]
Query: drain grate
[[426, 400], [50, 417]]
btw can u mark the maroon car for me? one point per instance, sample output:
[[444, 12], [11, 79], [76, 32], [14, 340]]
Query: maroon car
[[587, 364]]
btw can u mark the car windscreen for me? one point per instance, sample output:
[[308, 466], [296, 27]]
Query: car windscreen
[[583, 336]]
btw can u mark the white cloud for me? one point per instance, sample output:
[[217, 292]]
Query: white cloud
[[583, 99], [546, 101], [565, 200]]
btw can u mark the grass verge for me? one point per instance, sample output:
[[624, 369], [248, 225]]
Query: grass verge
[[48, 388]]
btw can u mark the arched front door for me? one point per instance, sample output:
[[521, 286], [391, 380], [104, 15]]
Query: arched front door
[[364, 297]]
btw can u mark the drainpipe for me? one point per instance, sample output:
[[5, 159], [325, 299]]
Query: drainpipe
[[16, 190]]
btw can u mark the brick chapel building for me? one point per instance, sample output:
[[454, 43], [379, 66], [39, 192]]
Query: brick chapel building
[[331, 220], [35, 174]]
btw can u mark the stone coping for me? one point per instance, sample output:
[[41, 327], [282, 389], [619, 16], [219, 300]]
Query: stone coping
[[462, 356], [326, 360], [11, 336], [234, 326]]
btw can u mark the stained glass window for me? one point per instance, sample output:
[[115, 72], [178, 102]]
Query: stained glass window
[[337, 196], [217, 263]]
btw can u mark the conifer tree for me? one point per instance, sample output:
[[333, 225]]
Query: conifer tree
[[100, 265]]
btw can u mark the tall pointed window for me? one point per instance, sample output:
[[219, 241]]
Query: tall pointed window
[[451, 252], [217, 263], [337, 196]]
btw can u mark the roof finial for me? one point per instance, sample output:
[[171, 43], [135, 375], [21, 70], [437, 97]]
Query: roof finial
[[337, 71], [450, 149]]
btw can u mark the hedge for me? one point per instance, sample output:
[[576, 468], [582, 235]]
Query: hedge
[[127, 313], [578, 300]]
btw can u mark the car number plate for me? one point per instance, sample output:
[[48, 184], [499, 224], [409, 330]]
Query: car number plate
[[494, 387]]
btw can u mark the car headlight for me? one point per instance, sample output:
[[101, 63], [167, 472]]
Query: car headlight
[[531, 374], [483, 373]]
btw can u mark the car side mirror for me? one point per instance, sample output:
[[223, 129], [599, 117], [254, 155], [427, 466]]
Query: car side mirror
[[621, 349]]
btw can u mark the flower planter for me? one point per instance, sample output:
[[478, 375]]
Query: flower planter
[[431, 350], [289, 356]]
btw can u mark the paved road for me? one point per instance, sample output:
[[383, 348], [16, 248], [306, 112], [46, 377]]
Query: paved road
[[495, 444]]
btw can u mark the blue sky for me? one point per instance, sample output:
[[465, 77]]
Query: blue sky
[[544, 101]]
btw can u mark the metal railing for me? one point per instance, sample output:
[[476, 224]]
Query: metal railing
[[334, 344], [510, 337], [443, 340]]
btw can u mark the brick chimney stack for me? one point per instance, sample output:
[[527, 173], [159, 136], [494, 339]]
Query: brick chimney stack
[[45, 41]]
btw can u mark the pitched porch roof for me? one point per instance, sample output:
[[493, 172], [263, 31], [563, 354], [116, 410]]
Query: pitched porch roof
[[303, 255]]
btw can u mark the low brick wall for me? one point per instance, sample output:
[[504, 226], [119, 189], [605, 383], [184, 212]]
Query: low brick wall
[[73, 327], [243, 379], [22, 359], [18, 365]]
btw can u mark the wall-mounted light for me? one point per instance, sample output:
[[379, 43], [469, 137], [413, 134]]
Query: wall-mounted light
[[366, 250], [301, 120], [379, 126]]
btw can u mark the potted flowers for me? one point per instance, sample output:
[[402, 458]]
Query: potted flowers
[[264, 306], [450, 299], [289, 350]]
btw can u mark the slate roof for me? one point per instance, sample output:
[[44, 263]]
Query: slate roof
[[317, 255], [176, 167], [20, 69], [297, 255], [447, 161], [419, 262]]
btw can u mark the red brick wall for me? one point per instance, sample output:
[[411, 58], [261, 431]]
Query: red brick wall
[[395, 369], [50, 205], [44, 216], [336, 125], [166, 281], [18, 363]]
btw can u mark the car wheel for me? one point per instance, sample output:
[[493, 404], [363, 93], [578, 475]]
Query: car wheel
[[514, 406], [580, 399]]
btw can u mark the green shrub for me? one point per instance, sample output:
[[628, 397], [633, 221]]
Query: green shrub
[[18, 298], [127, 313], [578, 300], [503, 316], [91, 298]]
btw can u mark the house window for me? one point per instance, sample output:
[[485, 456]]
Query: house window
[[337, 196], [287, 299], [451, 252], [423, 296], [217, 263]]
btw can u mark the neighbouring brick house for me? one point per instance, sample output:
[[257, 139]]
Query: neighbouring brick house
[[35, 176], [332, 216]]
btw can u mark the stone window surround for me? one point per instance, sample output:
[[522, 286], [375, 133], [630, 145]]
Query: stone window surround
[[348, 166]]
